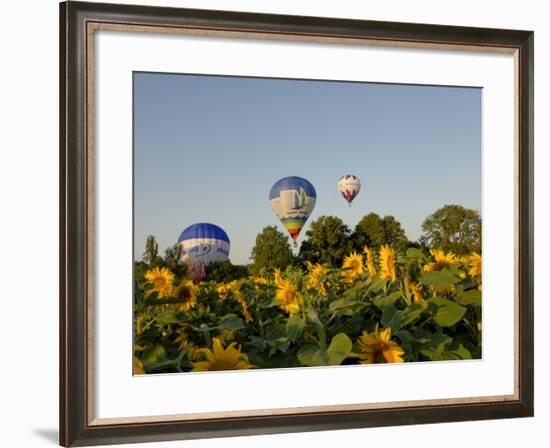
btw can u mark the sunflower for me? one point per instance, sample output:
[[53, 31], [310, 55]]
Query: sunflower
[[377, 347], [352, 267], [219, 358], [186, 293], [138, 366], [193, 352], [235, 288], [182, 336], [203, 309], [288, 297], [223, 290], [442, 260], [226, 335], [259, 281], [315, 275], [185, 343], [387, 263], [475, 265], [277, 277], [416, 291], [371, 264], [161, 279]]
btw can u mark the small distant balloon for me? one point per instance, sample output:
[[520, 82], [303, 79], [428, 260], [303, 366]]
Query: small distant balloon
[[292, 199], [202, 244], [349, 185]]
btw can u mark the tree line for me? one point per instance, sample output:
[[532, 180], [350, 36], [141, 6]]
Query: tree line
[[329, 240]]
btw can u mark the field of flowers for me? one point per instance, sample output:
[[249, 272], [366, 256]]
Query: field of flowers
[[378, 307]]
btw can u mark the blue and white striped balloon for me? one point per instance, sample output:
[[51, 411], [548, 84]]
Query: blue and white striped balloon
[[204, 243]]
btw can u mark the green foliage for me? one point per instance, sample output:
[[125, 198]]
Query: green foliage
[[172, 260], [453, 228], [227, 322], [446, 312], [402, 318], [369, 231], [338, 350], [327, 241], [225, 271], [295, 327], [444, 352], [438, 278], [442, 322], [374, 231], [469, 297], [429, 312], [271, 251], [151, 254], [140, 268]]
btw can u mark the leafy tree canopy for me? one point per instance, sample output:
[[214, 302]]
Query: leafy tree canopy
[[151, 254], [172, 260], [271, 251], [327, 241], [374, 231], [225, 271], [453, 228]]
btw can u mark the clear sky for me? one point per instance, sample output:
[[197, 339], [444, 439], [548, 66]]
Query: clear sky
[[209, 148]]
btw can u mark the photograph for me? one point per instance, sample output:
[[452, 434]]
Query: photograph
[[291, 223], [276, 221]]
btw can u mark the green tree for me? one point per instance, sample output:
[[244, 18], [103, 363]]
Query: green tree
[[327, 241], [172, 260], [270, 251], [225, 271], [453, 228], [394, 233], [369, 231], [151, 254], [374, 231]]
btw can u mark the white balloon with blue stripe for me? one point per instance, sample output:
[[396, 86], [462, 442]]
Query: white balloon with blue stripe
[[204, 243]]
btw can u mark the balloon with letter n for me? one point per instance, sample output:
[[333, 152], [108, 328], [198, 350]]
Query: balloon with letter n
[[292, 199], [202, 244]]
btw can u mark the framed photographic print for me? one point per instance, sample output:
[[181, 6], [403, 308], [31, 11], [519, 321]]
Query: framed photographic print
[[278, 223]]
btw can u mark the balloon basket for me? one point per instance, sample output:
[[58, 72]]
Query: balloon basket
[[294, 244]]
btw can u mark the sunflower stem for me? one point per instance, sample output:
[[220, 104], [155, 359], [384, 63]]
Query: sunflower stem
[[207, 336], [322, 336]]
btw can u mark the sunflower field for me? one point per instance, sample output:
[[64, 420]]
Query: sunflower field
[[378, 307]]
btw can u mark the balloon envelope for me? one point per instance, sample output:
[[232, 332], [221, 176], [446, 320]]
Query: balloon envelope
[[349, 185], [292, 199], [204, 243]]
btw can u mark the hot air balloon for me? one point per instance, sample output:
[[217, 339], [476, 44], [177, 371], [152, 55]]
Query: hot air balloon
[[202, 244], [349, 185], [292, 199]]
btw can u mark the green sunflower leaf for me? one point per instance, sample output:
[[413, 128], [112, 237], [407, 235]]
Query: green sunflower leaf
[[153, 354], [439, 278], [401, 319], [167, 318], [415, 253], [310, 355], [389, 300], [339, 349], [230, 322], [471, 297], [295, 327], [445, 312]]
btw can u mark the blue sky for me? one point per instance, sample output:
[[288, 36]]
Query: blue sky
[[209, 148]]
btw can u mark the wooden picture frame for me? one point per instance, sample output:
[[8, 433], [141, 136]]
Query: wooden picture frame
[[78, 22]]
